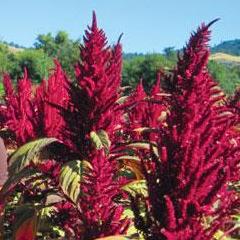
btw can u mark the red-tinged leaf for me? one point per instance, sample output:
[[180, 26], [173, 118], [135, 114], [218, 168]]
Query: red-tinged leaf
[[27, 231], [26, 173], [3, 163], [27, 153], [132, 163], [138, 187], [25, 224]]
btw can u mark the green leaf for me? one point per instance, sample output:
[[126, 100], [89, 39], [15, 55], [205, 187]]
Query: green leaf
[[122, 99], [27, 153], [104, 139], [71, 175], [96, 140], [114, 237], [127, 213], [45, 225], [60, 232], [143, 129], [13, 180], [132, 232], [128, 157], [100, 140], [137, 187], [144, 145]]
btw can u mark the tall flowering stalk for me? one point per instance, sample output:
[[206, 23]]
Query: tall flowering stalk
[[101, 216], [75, 112], [93, 110], [32, 115], [19, 115], [93, 100], [146, 113], [189, 196], [50, 93]]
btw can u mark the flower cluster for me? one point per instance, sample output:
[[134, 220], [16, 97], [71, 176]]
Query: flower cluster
[[31, 115], [92, 108], [101, 215], [19, 115], [146, 114], [189, 196], [186, 133], [93, 101]]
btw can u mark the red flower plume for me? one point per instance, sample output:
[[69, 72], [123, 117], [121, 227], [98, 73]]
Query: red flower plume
[[52, 95], [93, 104], [198, 155], [20, 114]]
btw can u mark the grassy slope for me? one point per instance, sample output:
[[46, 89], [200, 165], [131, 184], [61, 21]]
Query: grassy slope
[[225, 58]]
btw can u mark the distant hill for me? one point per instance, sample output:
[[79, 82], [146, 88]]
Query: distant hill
[[225, 58], [13, 45], [128, 56], [14, 49], [230, 47]]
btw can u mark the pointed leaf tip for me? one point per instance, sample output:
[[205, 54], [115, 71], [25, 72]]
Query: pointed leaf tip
[[94, 20], [120, 37], [212, 22], [56, 62], [25, 73]]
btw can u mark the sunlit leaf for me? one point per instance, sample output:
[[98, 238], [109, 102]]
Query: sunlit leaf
[[163, 116], [116, 237], [143, 129], [104, 139], [45, 225], [100, 140], [128, 157], [122, 99], [71, 175], [27, 153], [144, 145], [137, 187], [59, 231]]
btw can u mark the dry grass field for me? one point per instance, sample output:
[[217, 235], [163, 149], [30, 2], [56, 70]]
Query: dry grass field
[[223, 57]]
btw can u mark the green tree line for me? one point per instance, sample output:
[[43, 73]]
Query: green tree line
[[39, 61]]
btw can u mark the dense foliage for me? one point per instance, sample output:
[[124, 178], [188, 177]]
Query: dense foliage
[[38, 60], [87, 161], [146, 66]]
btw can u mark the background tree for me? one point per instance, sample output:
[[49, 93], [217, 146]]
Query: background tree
[[145, 68], [7, 59], [170, 53], [60, 47], [37, 62], [227, 76]]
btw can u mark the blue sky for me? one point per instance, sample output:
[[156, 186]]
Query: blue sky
[[148, 25]]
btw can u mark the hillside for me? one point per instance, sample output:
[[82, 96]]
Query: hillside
[[225, 58], [14, 49], [230, 47]]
